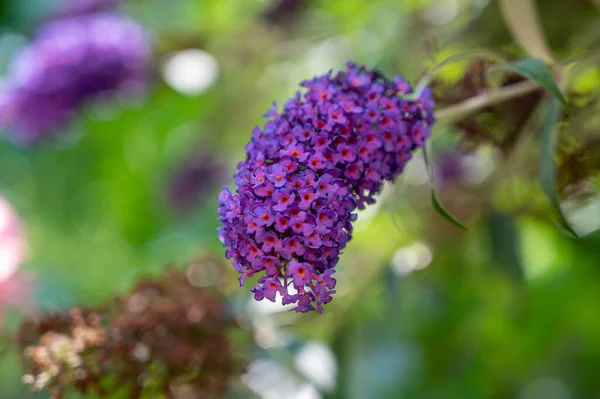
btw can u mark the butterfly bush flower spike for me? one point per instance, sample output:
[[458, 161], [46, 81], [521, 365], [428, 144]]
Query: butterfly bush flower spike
[[326, 154]]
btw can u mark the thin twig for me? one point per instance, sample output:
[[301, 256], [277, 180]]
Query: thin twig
[[485, 99], [523, 22]]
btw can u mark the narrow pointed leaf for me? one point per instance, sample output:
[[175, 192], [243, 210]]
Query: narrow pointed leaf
[[547, 164], [505, 244], [536, 70], [437, 206]]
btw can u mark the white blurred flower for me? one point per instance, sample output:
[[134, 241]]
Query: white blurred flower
[[413, 257], [317, 363]]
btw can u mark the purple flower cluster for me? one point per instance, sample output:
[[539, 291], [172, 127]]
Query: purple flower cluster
[[71, 61], [325, 155]]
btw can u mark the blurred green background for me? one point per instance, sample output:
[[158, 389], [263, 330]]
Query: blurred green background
[[508, 309]]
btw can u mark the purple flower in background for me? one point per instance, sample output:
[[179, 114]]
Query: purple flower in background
[[308, 170], [458, 165], [450, 167], [194, 180], [70, 62], [73, 8]]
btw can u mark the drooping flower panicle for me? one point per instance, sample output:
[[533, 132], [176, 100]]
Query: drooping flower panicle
[[308, 170], [71, 61]]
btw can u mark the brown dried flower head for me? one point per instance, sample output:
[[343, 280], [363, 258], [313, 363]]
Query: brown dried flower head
[[167, 338]]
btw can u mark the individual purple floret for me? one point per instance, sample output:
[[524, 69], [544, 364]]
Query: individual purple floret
[[307, 171], [70, 62]]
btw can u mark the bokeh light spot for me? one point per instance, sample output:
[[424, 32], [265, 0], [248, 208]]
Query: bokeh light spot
[[190, 72]]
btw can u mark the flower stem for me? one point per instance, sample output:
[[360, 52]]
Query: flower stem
[[490, 97], [523, 21]]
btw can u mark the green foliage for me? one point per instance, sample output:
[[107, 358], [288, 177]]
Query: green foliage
[[488, 314], [536, 70], [547, 163]]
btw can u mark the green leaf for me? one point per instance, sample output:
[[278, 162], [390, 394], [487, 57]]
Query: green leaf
[[505, 244], [536, 70], [547, 164], [434, 200]]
